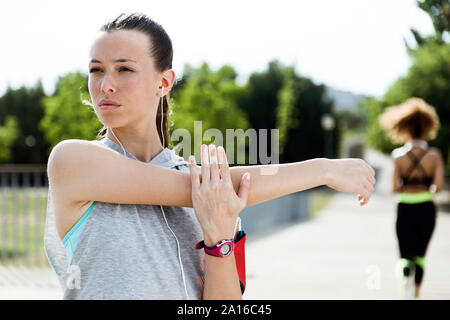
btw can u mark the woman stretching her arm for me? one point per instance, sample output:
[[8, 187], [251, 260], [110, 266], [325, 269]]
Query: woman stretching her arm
[[122, 206]]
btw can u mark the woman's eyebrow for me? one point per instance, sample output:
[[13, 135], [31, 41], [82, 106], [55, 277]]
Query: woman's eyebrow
[[115, 61]]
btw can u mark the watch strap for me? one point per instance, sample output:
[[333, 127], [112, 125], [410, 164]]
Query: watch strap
[[216, 250]]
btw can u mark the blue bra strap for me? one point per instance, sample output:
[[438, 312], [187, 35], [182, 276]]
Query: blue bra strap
[[70, 240]]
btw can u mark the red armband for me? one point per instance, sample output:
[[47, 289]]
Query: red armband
[[239, 256]]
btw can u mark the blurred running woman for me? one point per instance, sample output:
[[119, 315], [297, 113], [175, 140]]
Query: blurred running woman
[[418, 175]]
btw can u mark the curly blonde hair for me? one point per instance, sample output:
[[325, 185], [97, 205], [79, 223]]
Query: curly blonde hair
[[413, 119]]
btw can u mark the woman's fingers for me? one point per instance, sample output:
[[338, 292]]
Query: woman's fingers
[[214, 165], [366, 193], [194, 174], [205, 166], [362, 200], [244, 189], [371, 171], [225, 170], [220, 155], [368, 185], [373, 180], [371, 183]]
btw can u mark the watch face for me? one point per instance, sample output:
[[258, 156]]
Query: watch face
[[225, 249]]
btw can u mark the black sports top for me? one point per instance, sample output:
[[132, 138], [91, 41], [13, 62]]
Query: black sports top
[[424, 180]]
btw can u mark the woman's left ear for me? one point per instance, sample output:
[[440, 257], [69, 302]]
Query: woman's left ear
[[168, 79]]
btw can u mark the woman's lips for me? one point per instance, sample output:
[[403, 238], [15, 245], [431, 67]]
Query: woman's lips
[[109, 107]]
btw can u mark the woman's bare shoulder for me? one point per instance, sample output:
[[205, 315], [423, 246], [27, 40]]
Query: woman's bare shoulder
[[68, 156], [70, 144], [434, 151], [70, 148], [436, 155]]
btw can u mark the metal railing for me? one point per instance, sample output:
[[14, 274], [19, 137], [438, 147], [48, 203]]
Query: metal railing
[[23, 201]]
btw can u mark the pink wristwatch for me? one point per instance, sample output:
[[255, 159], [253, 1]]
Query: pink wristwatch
[[222, 249]]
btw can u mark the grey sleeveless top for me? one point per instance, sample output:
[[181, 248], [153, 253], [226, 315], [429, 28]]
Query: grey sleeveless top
[[126, 251]]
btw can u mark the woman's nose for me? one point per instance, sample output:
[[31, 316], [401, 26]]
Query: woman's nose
[[108, 84]]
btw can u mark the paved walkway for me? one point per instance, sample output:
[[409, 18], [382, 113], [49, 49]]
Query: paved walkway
[[28, 284], [347, 252]]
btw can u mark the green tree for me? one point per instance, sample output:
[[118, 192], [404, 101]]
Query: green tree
[[439, 12], [260, 100], [210, 97], [261, 96], [306, 138], [279, 98], [65, 114], [287, 97], [8, 134], [24, 104]]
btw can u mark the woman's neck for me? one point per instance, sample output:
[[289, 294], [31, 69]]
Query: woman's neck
[[141, 150]]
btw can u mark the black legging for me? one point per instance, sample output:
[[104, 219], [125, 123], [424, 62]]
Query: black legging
[[415, 225]]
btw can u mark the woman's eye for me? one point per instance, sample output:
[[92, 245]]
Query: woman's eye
[[97, 69]]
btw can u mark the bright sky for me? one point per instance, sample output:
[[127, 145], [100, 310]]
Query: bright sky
[[354, 45]]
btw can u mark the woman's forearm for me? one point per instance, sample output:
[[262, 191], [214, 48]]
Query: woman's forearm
[[276, 180], [221, 279]]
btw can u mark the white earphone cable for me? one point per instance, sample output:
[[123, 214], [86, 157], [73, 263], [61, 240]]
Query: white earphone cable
[[179, 254], [162, 210], [162, 115], [164, 215]]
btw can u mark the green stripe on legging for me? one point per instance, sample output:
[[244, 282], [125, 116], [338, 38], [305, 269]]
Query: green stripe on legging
[[401, 264], [420, 261], [414, 197], [404, 263]]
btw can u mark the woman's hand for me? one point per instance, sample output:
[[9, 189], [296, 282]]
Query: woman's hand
[[353, 176], [215, 202]]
